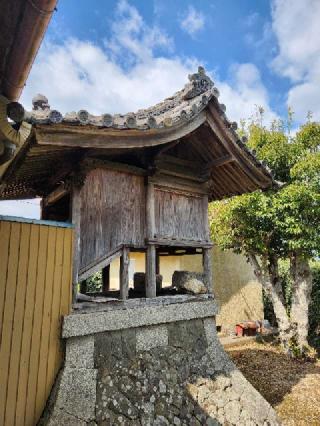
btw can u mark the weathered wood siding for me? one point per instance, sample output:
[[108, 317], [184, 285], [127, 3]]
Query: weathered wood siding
[[35, 292], [179, 215], [112, 213]]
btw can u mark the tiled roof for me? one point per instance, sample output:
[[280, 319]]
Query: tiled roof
[[183, 106]]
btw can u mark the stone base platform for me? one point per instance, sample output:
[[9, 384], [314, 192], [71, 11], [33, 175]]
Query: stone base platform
[[151, 365]]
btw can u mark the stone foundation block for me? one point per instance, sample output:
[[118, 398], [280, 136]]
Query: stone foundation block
[[152, 337], [80, 351], [153, 366]]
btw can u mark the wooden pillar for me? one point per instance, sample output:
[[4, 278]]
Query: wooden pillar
[[106, 279], [206, 219], [157, 264], [150, 217], [151, 285], [207, 269], [76, 217], [124, 274]]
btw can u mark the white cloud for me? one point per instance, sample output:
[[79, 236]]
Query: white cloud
[[82, 75], [127, 73], [296, 25], [193, 21], [244, 93], [132, 39], [305, 97], [123, 75]]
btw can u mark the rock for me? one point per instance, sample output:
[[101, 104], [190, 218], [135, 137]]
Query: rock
[[203, 394], [195, 286], [212, 422], [189, 281], [139, 282], [179, 383], [162, 387], [232, 412], [161, 421]]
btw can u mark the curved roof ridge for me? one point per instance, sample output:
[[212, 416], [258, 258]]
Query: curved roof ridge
[[181, 107]]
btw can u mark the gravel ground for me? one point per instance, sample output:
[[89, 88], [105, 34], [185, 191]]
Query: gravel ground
[[291, 386]]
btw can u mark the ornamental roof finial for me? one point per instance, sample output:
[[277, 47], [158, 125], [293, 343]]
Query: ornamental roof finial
[[40, 102], [199, 83]]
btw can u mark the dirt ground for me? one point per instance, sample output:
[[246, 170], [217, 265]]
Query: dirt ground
[[292, 387]]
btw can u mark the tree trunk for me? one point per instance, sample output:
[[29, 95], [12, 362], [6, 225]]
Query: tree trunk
[[283, 320], [301, 293], [268, 275], [292, 328]]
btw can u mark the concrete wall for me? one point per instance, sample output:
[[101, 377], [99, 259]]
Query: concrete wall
[[236, 290]]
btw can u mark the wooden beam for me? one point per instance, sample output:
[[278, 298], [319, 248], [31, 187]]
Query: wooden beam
[[171, 159], [100, 263], [174, 166], [151, 287], [91, 163], [167, 147], [93, 137], [179, 243], [207, 269], [221, 161], [55, 195], [124, 274], [184, 173], [228, 141], [172, 251], [76, 218], [161, 179]]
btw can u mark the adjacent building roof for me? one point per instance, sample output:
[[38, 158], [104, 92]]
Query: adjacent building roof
[[191, 125], [23, 24]]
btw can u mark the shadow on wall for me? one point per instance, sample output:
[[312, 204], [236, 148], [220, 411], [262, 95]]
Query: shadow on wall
[[236, 289]]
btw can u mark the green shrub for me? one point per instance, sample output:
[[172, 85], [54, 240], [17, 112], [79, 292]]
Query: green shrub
[[94, 283]]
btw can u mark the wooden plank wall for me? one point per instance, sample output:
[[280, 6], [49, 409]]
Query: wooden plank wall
[[112, 213], [180, 215], [35, 292]]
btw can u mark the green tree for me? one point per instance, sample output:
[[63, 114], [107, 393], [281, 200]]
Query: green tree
[[282, 223]]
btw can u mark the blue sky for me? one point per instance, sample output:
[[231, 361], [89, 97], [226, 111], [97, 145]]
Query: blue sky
[[121, 55]]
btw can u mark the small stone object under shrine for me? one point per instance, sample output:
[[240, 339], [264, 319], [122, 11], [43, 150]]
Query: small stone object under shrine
[[191, 282]]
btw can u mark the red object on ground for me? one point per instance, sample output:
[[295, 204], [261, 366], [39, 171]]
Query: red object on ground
[[248, 328]]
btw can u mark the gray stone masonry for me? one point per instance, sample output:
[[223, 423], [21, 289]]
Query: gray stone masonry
[[172, 372]]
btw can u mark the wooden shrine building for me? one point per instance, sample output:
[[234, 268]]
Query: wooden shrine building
[[139, 181], [112, 184]]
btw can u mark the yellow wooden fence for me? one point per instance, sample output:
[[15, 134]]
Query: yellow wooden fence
[[35, 292]]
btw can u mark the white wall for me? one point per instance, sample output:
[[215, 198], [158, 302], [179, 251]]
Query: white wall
[[23, 208]]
